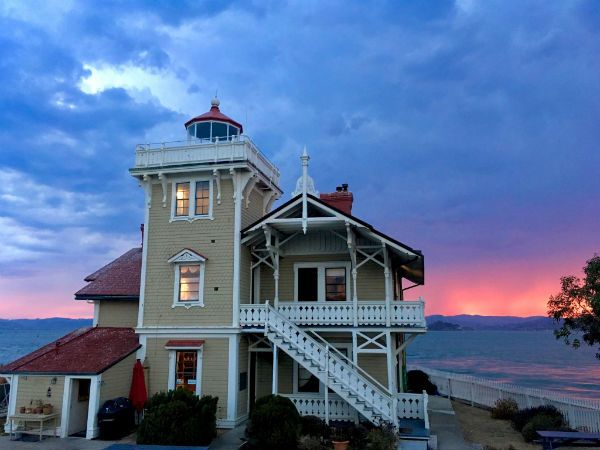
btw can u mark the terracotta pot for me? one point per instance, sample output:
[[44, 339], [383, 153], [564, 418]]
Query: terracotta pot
[[28, 410], [47, 409], [38, 410], [22, 410], [340, 445]]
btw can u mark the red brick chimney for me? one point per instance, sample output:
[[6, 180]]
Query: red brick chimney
[[341, 199]]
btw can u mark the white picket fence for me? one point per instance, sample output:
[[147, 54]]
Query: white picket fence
[[582, 414]]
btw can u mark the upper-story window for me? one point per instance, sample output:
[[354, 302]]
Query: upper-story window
[[322, 281], [189, 278], [192, 200], [212, 130]]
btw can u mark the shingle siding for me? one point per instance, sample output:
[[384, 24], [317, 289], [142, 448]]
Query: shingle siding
[[116, 381], [117, 313], [166, 238]]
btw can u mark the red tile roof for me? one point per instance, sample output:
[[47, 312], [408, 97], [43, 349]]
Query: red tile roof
[[185, 343], [119, 279], [87, 351]]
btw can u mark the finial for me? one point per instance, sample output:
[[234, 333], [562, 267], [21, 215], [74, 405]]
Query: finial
[[215, 101]]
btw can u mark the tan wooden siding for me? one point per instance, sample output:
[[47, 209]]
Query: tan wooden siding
[[32, 388], [254, 210], [264, 374], [242, 406], [215, 361], [371, 282], [117, 313], [245, 276], [116, 381], [211, 238], [375, 365]]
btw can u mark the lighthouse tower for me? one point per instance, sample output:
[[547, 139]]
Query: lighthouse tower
[[200, 193]]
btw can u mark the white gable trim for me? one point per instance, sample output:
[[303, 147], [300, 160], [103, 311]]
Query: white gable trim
[[186, 256]]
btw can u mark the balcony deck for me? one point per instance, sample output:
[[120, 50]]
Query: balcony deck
[[201, 151], [367, 313]]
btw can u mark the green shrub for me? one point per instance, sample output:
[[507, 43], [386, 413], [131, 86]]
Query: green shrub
[[522, 417], [358, 435], [383, 438], [274, 424], [541, 422], [179, 418], [418, 381], [313, 426], [311, 443], [505, 409]]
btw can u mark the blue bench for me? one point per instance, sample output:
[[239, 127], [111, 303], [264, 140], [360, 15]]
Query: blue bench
[[553, 439]]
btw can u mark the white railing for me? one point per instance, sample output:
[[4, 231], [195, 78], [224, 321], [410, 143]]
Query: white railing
[[314, 405], [401, 313], [413, 406], [239, 148], [582, 414], [4, 397]]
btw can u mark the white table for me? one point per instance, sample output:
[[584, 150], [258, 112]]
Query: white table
[[35, 418]]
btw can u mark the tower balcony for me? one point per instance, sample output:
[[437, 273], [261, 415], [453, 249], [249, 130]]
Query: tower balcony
[[227, 151]]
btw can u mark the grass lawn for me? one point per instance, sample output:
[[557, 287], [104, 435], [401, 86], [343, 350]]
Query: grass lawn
[[479, 428]]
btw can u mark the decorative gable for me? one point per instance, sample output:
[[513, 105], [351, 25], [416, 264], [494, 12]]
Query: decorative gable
[[187, 256]]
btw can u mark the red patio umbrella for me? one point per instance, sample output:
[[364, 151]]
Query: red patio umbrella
[[138, 394]]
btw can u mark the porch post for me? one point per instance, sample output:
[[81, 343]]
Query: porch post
[[275, 386], [94, 405], [388, 286], [351, 241], [12, 399], [391, 366]]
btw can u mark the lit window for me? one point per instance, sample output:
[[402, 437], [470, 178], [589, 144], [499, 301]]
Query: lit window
[[202, 198], [335, 284], [182, 207], [192, 200], [186, 370], [189, 283]]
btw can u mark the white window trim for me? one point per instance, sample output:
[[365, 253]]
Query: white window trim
[[321, 266], [191, 213], [173, 362], [338, 345], [188, 257]]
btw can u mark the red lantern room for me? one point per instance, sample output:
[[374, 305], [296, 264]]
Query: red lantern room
[[213, 125]]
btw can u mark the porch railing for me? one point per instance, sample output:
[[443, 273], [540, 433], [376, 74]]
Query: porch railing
[[401, 313], [410, 406], [314, 405]]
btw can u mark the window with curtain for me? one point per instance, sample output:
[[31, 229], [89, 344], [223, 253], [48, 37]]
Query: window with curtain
[[189, 283], [335, 284]]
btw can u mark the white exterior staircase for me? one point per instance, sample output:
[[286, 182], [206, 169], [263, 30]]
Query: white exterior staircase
[[371, 399]]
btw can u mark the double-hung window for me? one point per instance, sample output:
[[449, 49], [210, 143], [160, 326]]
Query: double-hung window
[[185, 365], [192, 200], [189, 269], [322, 282]]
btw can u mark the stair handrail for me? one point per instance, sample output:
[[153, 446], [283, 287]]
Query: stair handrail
[[353, 365], [377, 386]]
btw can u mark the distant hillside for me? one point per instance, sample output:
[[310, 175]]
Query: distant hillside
[[53, 323], [507, 323]]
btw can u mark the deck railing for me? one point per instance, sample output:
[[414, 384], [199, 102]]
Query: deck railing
[[582, 414], [410, 406], [401, 313], [198, 151]]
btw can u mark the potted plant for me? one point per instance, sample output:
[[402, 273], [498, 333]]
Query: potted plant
[[47, 409], [340, 438], [39, 409], [22, 410]]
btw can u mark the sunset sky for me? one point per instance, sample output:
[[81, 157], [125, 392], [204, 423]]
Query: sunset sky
[[467, 129]]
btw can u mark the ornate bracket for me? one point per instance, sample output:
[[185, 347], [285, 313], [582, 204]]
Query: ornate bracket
[[146, 183], [217, 176], [249, 188], [163, 182]]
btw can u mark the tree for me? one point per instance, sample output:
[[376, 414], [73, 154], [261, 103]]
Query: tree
[[577, 307]]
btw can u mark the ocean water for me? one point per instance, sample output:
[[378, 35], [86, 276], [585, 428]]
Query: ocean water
[[527, 358], [18, 342]]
